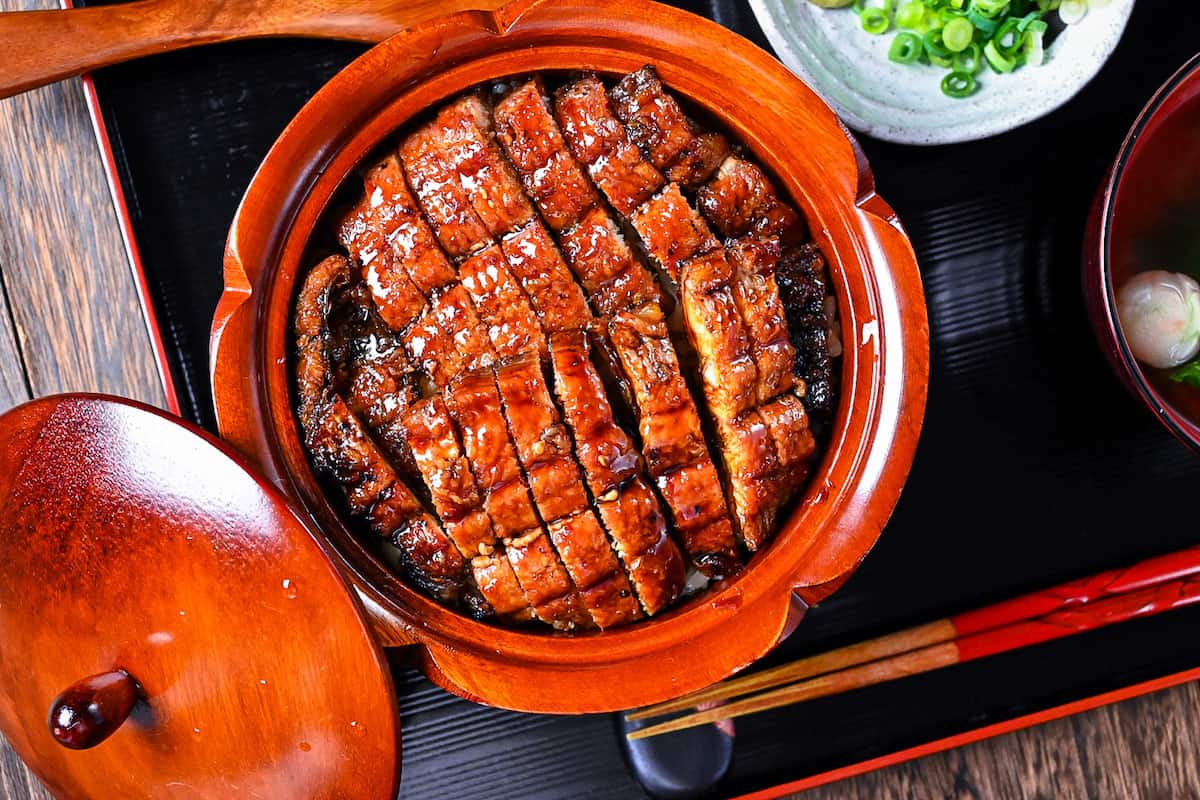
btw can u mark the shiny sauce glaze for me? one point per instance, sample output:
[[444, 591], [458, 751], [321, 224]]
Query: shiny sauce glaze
[[576, 348]]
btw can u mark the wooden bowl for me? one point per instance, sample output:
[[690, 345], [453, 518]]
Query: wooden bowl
[[1146, 210], [790, 131]]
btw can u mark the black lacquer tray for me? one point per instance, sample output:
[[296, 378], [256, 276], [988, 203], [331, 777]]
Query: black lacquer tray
[[1034, 467]]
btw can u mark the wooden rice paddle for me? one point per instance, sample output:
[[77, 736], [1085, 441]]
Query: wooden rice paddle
[[1150, 587], [47, 46]]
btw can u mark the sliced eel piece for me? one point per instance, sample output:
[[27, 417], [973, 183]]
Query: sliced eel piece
[[314, 373], [342, 449], [628, 509], [719, 334], [435, 182], [459, 175], [544, 450], [599, 141], [501, 304], [605, 266], [671, 231], [757, 294], [795, 447], [769, 454], [671, 141], [456, 318], [672, 440], [459, 504], [361, 232], [474, 403], [679, 240], [801, 279], [487, 178], [411, 240], [381, 385], [531, 139], [741, 200], [752, 469], [535, 261]]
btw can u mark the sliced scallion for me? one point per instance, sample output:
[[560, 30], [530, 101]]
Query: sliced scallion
[[957, 34], [959, 84], [875, 20], [906, 48], [997, 60]]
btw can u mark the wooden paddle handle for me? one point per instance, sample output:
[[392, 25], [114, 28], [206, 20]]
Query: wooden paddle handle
[[91, 710], [46, 46]]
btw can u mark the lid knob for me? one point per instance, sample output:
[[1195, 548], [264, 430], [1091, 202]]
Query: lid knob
[[92, 709]]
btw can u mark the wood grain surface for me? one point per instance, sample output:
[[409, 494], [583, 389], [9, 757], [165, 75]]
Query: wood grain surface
[[72, 321]]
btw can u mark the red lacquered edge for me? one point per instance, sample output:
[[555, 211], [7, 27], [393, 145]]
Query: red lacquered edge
[[976, 735], [887, 340], [149, 315], [1099, 294]]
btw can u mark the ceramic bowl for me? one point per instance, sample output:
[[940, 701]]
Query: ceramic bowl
[[1147, 216], [799, 140], [850, 69]]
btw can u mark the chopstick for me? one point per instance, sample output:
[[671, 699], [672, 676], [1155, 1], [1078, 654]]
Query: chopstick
[[1149, 587]]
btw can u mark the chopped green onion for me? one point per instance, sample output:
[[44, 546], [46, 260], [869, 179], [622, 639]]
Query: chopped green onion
[[875, 20], [985, 25], [962, 35], [906, 48], [991, 8], [958, 84], [1034, 52], [1007, 39], [997, 60], [958, 34], [969, 60], [910, 15]]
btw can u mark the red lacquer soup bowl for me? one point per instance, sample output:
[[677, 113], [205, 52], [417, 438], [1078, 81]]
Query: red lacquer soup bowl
[[788, 129], [1147, 216]]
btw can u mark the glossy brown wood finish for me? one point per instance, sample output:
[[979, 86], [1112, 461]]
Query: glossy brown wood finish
[[798, 139], [92, 709], [53, 45], [131, 541]]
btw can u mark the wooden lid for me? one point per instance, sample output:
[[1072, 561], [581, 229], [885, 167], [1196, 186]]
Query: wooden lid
[[142, 565]]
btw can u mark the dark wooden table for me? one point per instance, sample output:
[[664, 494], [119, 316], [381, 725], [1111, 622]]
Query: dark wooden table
[[72, 322]]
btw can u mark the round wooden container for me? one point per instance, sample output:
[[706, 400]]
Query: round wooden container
[[798, 139]]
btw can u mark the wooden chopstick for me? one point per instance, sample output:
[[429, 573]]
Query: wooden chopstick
[[860, 653], [1148, 588]]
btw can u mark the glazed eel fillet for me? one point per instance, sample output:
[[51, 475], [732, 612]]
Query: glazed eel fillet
[[739, 331], [628, 508], [474, 403], [456, 498], [732, 315], [544, 449], [741, 202], [414, 288], [625, 295], [672, 142], [481, 215], [343, 450]]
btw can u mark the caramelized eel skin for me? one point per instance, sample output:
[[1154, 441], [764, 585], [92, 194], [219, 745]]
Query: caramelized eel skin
[[492, 304], [343, 451]]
